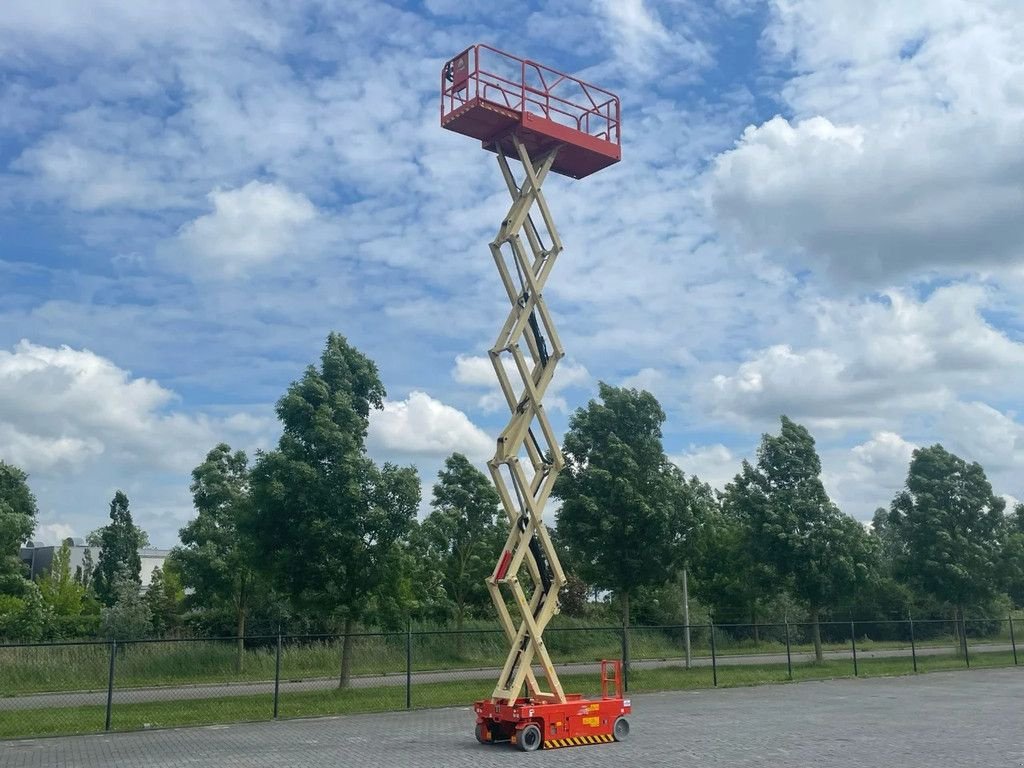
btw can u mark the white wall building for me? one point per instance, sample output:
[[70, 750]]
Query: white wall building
[[39, 558]]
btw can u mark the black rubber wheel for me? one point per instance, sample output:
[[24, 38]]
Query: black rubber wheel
[[529, 738], [483, 734], [620, 730]]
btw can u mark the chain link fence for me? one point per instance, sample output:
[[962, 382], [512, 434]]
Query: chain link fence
[[84, 687]]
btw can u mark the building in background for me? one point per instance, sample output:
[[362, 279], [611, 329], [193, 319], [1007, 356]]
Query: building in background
[[38, 558]]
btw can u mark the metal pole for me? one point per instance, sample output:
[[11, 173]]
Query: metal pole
[[110, 685], [686, 618], [913, 645], [408, 665], [625, 656], [277, 672], [1013, 641], [853, 642], [714, 660], [963, 634], [789, 655]]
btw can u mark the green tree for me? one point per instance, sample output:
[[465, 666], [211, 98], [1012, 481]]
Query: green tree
[[24, 618], [60, 592], [794, 528], [461, 535], [622, 500], [17, 522], [949, 525], [84, 573], [215, 556], [327, 525], [727, 577], [1012, 566], [160, 599], [120, 542], [127, 617]]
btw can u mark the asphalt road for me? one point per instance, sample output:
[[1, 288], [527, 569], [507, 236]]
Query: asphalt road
[[968, 719], [215, 690]]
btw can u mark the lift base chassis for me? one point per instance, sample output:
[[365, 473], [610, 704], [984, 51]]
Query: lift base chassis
[[576, 722]]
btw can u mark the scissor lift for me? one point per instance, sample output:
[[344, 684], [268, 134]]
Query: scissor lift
[[550, 122]]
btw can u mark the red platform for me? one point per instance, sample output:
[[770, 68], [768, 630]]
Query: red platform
[[491, 96], [534, 725]]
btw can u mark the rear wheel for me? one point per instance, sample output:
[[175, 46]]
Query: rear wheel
[[620, 730], [483, 734], [529, 738]]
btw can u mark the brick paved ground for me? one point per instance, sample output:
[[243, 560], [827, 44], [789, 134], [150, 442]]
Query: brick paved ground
[[973, 719]]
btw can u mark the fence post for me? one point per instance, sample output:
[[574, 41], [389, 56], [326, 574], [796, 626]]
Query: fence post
[[408, 664], [853, 642], [714, 660], [1013, 640], [277, 671], [789, 655], [686, 618], [625, 657], [963, 634], [110, 684], [913, 645]]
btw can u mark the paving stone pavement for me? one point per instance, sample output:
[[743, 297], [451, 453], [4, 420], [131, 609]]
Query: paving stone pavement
[[967, 718]]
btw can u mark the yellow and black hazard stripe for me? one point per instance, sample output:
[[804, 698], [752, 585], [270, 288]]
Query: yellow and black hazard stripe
[[578, 741]]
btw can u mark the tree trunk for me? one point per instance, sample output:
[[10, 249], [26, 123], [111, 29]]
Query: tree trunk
[[753, 621], [346, 655], [625, 609], [459, 614], [240, 639], [816, 634]]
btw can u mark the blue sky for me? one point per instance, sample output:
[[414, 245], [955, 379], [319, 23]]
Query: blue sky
[[818, 213]]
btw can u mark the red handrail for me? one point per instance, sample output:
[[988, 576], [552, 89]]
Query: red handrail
[[599, 119]]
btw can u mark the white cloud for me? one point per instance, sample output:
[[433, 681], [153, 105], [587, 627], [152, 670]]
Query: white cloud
[[874, 360], [643, 43], [898, 158], [62, 406], [984, 434], [65, 27], [423, 426], [82, 427], [868, 475], [248, 227], [53, 533], [713, 464]]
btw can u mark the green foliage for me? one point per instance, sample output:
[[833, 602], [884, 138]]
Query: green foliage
[[325, 522], [794, 527], [84, 573], [24, 618], [161, 600], [17, 522], [1012, 561], [120, 542], [461, 537], [947, 523], [128, 616], [60, 592], [626, 510], [215, 558], [724, 574], [574, 598]]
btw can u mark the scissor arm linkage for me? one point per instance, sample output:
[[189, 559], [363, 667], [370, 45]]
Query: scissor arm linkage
[[523, 471]]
